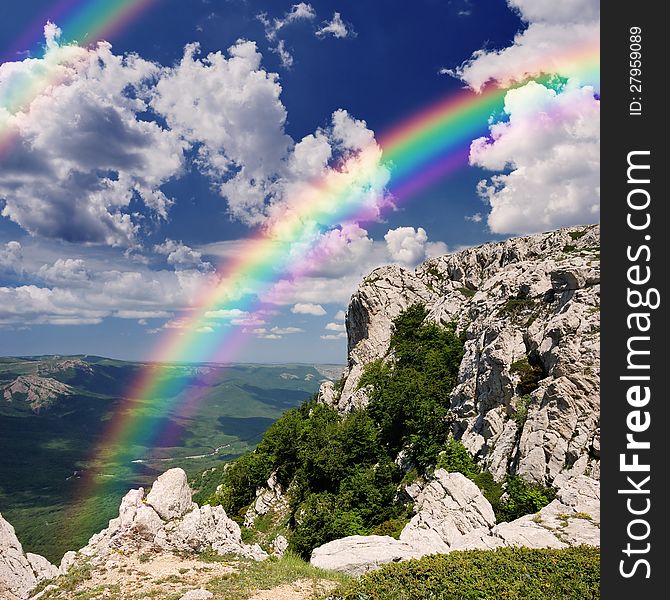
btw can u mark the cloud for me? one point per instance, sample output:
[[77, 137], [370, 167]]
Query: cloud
[[476, 218], [11, 258], [286, 330], [69, 271], [239, 129], [275, 333], [546, 149], [340, 315], [551, 147], [555, 41], [181, 256], [233, 313], [81, 153], [336, 27], [305, 308], [331, 336], [409, 246], [299, 12], [335, 327]]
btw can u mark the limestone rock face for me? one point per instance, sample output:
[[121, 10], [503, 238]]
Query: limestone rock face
[[140, 528], [447, 508], [170, 495], [269, 498], [42, 568], [527, 306], [19, 572], [209, 527], [16, 575], [358, 554]]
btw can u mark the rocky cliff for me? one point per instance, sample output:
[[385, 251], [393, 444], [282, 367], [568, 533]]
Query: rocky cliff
[[527, 399]]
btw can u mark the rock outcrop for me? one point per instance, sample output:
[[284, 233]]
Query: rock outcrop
[[530, 310], [269, 498], [39, 392], [358, 554], [452, 514], [181, 525], [19, 572], [448, 507]]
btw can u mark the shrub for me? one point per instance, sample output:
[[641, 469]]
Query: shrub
[[522, 498], [521, 410], [456, 459], [510, 573], [514, 306], [529, 375], [467, 292], [409, 399]]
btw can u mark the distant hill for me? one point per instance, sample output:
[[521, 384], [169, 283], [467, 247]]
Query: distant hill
[[53, 410]]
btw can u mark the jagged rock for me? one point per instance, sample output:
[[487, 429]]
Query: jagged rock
[[199, 594], [170, 495], [452, 514], [140, 528], [42, 568], [269, 498], [327, 395], [69, 558], [447, 508], [209, 527], [279, 545], [16, 574], [358, 554], [39, 392]]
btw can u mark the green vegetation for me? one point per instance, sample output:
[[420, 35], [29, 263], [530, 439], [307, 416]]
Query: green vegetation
[[433, 271], [253, 576], [516, 306], [521, 410], [510, 499], [467, 292], [409, 398], [569, 248], [510, 573], [529, 375], [575, 235], [340, 470]]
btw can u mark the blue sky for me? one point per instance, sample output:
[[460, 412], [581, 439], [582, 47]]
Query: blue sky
[[114, 212]]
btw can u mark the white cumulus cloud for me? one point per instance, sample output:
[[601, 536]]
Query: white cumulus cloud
[[81, 153], [305, 308]]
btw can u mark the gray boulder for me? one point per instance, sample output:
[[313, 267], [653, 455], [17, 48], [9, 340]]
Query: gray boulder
[[170, 495], [358, 554]]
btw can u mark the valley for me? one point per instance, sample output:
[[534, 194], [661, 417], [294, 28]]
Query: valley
[[56, 485]]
